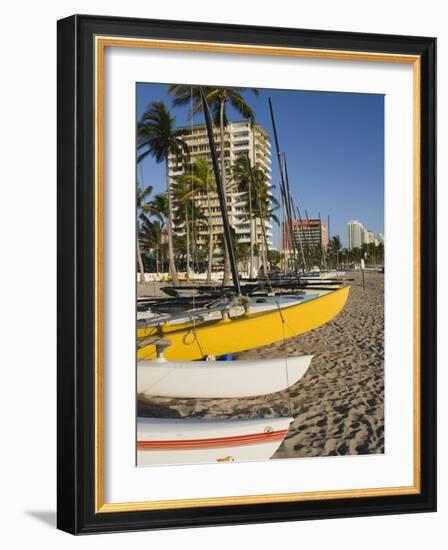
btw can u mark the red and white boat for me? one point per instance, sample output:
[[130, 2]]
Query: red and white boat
[[191, 441]]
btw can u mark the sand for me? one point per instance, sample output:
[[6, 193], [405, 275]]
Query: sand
[[338, 406]]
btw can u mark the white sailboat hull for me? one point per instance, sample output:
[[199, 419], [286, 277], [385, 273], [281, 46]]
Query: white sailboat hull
[[219, 379], [189, 441]]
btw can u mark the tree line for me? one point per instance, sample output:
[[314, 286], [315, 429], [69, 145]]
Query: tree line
[[340, 258]]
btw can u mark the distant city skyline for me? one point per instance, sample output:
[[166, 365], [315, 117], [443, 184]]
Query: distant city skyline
[[357, 235], [334, 145]]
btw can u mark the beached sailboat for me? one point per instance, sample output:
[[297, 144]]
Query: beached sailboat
[[317, 274], [219, 379], [198, 334], [190, 441]]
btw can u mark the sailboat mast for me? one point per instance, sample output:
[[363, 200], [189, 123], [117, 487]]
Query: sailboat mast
[[293, 211], [302, 251], [310, 236], [307, 246], [282, 182], [221, 192]]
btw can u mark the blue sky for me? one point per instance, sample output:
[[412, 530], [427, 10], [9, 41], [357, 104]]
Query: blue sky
[[334, 146]]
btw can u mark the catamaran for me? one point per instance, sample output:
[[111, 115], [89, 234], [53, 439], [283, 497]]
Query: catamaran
[[239, 327]]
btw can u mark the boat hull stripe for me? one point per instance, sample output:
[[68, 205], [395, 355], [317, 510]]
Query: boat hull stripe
[[212, 443]]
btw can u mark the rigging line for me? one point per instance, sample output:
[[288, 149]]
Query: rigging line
[[293, 209], [285, 355], [263, 230], [303, 233], [221, 192], [149, 354], [311, 238], [146, 341], [195, 340], [290, 209], [193, 330], [302, 250], [324, 259], [192, 186], [192, 210], [282, 236], [282, 177]]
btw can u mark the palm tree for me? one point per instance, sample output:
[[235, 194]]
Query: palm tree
[[242, 253], [199, 178], [150, 235], [380, 253], [182, 195], [274, 257], [252, 180], [217, 98], [343, 257], [159, 208], [142, 195], [157, 136], [371, 253], [267, 204], [241, 175], [335, 247], [190, 216]]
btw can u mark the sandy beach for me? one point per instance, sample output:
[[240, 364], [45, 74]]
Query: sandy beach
[[338, 406]]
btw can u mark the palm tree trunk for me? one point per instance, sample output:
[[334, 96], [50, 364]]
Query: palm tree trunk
[[171, 264], [263, 234], [210, 240], [188, 243], [226, 276], [265, 244], [256, 244], [140, 263], [251, 228]]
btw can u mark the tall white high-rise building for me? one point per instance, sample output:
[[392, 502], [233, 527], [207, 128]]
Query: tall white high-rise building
[[359, 235], [241, 138], [356, 234]]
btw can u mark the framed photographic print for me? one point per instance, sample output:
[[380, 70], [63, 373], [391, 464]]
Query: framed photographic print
[[246, 271]]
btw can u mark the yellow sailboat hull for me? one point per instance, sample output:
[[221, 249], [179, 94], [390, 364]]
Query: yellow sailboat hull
[[251, 330]]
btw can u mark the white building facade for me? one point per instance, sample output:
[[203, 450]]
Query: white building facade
[[356, 233], [359, 235], [240, 138]]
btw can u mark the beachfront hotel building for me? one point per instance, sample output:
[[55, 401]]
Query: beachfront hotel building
[[359, 235], [241, 138], [355, 231], [310, 234]]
